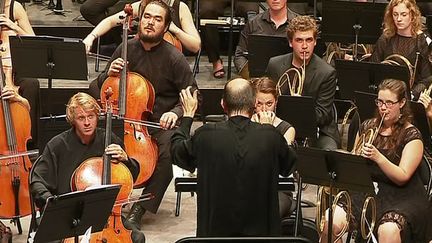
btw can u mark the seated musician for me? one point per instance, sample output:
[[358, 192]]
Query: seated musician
[[66, 151], [265, 105], [238, 163], [402, 207], [168, 71], [211, 9], [182, 25], [272, 21], [404, 34], [14, 21], [319, 81]]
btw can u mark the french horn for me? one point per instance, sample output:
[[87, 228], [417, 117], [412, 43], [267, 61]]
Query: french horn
[[295, 85], [393, 60], [367, 228]]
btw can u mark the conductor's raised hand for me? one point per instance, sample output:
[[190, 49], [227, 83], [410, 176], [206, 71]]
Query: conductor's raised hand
[[116, 66], [189, 101]]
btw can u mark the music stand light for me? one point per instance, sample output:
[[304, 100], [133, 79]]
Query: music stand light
[[366, 76], [335, 170], [71, 214], [352, 22], [299, 111]]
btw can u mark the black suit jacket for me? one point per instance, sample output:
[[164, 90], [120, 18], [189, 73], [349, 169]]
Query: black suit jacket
[[320, 84]]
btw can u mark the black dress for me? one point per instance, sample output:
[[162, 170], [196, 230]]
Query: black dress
[[408, 201], [407, 47]]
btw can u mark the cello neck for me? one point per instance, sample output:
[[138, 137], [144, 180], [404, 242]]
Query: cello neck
[[123, 76], [106, 167], [10, 134]]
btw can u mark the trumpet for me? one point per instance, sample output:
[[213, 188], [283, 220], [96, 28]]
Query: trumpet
[[295, 85], [392, 60]]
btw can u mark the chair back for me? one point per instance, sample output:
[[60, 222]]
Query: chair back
[[33, 221]]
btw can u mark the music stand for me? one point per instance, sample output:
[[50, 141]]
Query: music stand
[[48, 57], [261, 48], [421, 121], [335, 170], [365, 103], [366, 76], [361, 22], [71, 214], [299, 111]]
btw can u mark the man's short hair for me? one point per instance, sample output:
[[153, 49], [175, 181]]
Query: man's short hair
[[83, 100], [302, 23], [239, 98]]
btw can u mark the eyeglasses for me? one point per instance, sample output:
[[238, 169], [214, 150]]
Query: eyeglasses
[[387, 103]]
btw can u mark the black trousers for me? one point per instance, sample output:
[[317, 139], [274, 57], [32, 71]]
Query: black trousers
[[29, 89], [163, 173], [212, 9]]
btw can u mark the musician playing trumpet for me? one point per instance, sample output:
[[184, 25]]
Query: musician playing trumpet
[[396, 153], [403, 35], [318, 79]]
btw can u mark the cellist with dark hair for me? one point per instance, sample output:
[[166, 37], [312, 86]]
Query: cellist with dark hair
[[168, 72]]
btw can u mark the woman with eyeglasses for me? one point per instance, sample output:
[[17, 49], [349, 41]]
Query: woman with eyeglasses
[[403, 212]]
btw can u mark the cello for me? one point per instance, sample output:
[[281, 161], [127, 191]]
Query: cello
[[97, 171], [136, 105], [15, 165]]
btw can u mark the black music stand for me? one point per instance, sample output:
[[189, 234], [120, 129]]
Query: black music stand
[[48, 57], [352, 22], [71, 214], [421, 121], [366, 76], [335, 170], [299, 111], [263, 47], [365, 103]]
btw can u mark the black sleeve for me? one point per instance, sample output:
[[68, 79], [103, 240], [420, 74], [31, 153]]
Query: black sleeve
[[183, 78], [104, 75], [181, 146], [241, 53], [287, 158], [423, 75], [378, 52], [44, 177], [325, 99]]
